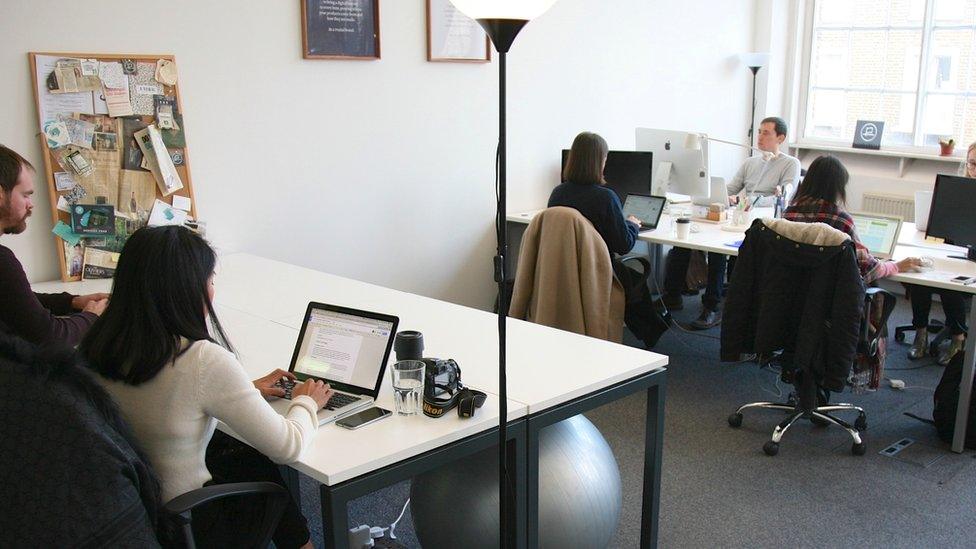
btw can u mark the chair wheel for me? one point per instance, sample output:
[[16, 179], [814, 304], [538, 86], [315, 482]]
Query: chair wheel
[[859, 449], [771, 448], [861, 424], [735, 420]]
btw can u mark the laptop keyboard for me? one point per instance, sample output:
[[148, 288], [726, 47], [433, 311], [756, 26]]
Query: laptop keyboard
[[337, 401]]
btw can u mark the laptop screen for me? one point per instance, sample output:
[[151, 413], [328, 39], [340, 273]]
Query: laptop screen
[[646, 208], [344, 348], [878, 233]]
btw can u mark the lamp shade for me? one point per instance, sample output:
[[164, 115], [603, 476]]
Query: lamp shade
[[524, 10], [755, 59]]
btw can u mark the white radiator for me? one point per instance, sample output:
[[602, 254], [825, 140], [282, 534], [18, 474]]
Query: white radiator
[[889, 204]]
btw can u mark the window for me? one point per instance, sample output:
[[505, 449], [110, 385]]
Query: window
[[910, 63]]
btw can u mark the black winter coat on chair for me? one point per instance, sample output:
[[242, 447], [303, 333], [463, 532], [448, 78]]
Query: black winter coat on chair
[[796, 288]]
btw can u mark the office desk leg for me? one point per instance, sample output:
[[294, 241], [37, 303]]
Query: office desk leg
[[335, 518], [653, 452], [966, 386]]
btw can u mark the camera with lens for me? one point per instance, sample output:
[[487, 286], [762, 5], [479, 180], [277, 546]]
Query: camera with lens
[[444, 391]]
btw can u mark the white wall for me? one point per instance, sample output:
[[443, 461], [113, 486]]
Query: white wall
[[383, 170]]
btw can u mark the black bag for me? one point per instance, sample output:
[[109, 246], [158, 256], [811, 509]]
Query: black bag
[[646, 317], [947, 399]]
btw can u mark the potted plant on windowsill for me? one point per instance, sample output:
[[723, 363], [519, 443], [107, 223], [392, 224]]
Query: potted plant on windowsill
[[947, 145]]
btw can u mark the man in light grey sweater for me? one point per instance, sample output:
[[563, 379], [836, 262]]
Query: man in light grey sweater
[[761, 174], [758, 177]]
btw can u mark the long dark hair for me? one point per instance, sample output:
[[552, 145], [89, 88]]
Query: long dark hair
[[586, 158], [159, 297], [826, 179]]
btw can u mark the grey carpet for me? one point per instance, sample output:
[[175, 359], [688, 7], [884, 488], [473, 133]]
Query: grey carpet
[[720, 490]]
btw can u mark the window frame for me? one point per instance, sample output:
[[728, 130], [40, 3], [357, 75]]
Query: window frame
[[804, 92]]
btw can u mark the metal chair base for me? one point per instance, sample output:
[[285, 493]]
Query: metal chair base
[[820, 415]]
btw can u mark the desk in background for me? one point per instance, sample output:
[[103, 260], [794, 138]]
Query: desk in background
[[710, 237], [552, 375]]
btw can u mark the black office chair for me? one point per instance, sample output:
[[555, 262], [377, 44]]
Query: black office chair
[[73, 473], [178, 512], [878, 305]]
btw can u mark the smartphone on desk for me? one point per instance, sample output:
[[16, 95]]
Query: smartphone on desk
[[360, 419], [962, 279]]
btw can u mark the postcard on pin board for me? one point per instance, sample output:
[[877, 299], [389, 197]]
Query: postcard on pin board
[[142, 87], [99, 264], [164, 214], [131, 151], [64, 181], [137, 192]]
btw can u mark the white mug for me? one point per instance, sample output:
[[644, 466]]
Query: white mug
[[682, 227]]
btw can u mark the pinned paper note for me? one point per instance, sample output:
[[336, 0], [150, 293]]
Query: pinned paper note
[[63, 205], [64, 181], [181, 203], [112, 75], [56, 133], [89, 67], [166, 72], [66, 234], [164, 214]]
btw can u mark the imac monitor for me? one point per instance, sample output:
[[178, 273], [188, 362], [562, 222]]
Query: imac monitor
[[626, 172], [677, 168], [951, 216], [878, 232]]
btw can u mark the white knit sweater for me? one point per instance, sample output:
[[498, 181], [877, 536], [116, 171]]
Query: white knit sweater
[[174, 416]]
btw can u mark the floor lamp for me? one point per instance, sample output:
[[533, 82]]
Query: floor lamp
[[754, 61], [502, 20]]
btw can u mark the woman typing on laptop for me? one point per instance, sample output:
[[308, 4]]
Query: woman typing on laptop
[[583, 190], [821, 198], [174, 377]]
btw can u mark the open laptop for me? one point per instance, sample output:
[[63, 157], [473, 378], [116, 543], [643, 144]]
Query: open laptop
[[878, 232], [346, 348], [717, 193], [647, 208]]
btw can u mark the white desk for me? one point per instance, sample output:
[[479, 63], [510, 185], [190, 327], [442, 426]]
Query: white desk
[[551, 375], [911, 243]]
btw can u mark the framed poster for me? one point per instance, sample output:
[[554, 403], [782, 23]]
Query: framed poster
[[453, 36], [340, 29]]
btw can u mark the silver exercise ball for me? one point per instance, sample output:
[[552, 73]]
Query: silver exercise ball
[[579, 494]]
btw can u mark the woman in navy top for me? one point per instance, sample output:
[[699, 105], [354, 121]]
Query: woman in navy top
[[583, 190]]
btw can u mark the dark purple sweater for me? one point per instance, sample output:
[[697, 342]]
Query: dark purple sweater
[[37, 318]]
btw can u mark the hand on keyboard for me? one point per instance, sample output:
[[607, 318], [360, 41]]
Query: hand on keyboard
[[270, 385], [320, 391]]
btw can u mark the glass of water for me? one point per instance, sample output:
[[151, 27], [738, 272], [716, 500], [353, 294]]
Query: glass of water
[[408, 386]]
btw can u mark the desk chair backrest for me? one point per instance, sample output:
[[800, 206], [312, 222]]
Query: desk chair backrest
[[72, 473], [565, 278]]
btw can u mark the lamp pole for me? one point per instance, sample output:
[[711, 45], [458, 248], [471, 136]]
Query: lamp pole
[[752, 117], [502, 33]]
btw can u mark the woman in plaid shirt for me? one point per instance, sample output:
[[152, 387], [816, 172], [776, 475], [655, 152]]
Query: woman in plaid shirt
[[820, 198]]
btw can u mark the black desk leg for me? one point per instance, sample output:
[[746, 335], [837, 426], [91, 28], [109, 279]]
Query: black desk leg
[[335, 518], [531, 491], [653, 451], [517, 511]]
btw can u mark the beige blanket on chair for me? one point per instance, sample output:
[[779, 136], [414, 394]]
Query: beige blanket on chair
[[565, 279]]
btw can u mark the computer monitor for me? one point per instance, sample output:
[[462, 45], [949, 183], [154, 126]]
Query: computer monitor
[[677, 168], [951, 216], [878, 232], [626, 172]]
